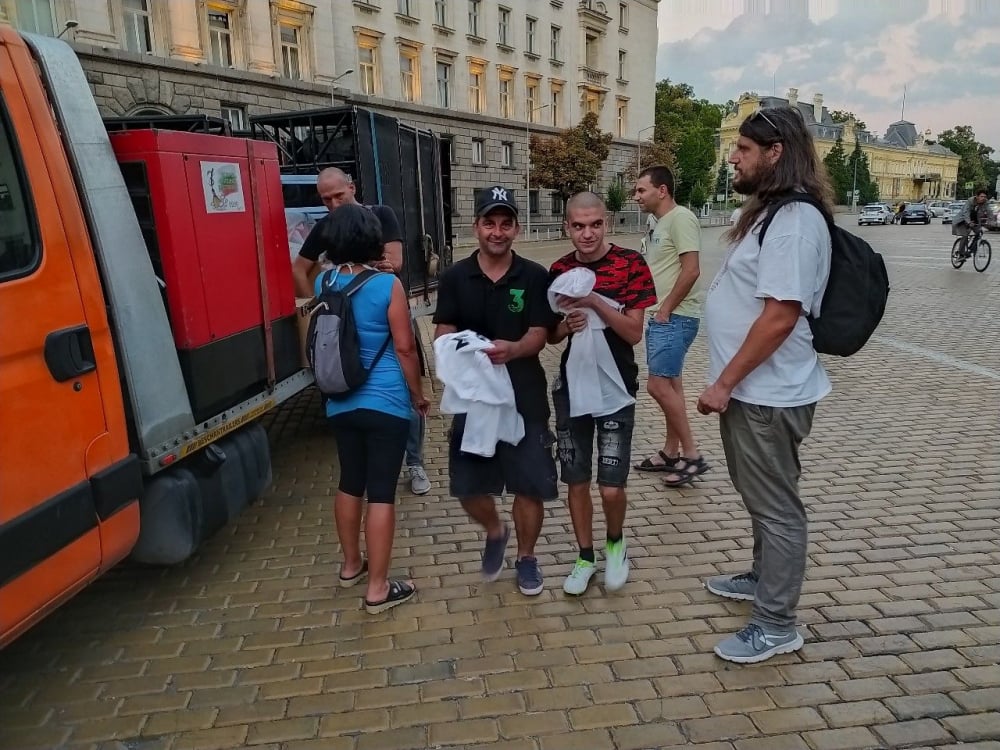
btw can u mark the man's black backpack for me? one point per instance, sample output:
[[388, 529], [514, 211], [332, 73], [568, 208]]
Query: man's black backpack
[[856, 294], [332, 343]]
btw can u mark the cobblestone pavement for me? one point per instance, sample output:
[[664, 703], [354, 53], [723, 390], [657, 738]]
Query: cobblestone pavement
[[251, 643]]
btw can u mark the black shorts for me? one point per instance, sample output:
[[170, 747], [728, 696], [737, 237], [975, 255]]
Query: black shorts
[[527, 468], [576, 444], [370, 446]]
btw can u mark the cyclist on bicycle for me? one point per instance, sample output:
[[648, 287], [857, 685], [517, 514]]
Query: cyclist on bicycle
[[971, 220]]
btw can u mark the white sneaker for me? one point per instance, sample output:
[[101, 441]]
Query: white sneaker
[[578, 580], [615, 565], [419, 483]]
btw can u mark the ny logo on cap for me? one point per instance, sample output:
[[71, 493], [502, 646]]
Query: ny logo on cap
[[499, 194]]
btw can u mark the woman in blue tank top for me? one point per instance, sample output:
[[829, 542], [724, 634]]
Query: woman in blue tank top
[[371, 424]]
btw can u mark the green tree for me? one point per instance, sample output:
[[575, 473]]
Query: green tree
[[975, 164], [836, 167], [842, 115], [689, 125], [698, 196], [651, 153], [866, 186], [616, 198], [569, 162]]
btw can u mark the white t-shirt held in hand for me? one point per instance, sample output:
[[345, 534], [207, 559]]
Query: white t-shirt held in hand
[[792, 264]]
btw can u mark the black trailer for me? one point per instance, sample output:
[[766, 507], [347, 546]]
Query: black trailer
[[391, 163]]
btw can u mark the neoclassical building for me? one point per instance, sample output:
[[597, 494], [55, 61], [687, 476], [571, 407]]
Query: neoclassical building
[[902, 161], [485, 73]]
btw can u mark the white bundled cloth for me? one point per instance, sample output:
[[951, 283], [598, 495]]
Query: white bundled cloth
[[592, 378], [481, 390]]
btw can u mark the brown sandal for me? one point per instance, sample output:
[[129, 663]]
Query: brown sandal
[[669, 463]]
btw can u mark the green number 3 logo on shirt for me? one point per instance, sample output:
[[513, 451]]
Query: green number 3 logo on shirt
[[516, 300]]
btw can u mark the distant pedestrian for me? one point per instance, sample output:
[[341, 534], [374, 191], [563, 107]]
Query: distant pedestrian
[[764, 375]]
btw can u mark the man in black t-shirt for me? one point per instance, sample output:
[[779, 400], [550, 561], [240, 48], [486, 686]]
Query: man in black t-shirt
[[336, 188], [622, 276], [502, 296]]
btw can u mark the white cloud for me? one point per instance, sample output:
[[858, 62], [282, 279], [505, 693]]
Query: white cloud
[[858, 53]]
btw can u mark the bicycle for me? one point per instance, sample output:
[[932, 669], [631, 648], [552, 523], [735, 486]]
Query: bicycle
[[975, 247]]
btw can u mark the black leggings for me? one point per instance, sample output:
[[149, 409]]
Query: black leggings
[[370, 446]]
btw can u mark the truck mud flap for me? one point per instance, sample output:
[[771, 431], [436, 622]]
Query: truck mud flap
[[186, 504]]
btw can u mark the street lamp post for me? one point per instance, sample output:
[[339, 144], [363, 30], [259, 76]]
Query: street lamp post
[[333, 83], [638, 149], [527, 159], [854, 190]]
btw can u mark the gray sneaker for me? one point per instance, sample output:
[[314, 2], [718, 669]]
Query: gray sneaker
[[742, 586], [754, 644], [419, 483]]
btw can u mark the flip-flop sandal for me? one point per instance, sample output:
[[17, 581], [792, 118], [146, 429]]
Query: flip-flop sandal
[[669, 464], [399, 592], [686, 472], [346, 583]]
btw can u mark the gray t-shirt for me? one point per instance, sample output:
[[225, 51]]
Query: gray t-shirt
[[792, 264]]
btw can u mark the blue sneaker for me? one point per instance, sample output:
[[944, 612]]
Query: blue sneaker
[[493, 555], [754, 644], [529, 576]]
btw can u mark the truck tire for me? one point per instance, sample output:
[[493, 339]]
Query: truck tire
[[186, 504]]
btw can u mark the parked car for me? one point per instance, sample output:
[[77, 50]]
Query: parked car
[[993, 216], [915, 213], [954, 209], [875, 213], [938, 208]]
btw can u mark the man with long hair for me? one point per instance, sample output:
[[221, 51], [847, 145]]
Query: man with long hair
[[764, 375]]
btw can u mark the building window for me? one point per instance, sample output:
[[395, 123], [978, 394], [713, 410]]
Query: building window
[[557, 204], [506, 154], [503, 27], [137, 26], [474, 8], [623, 16], [506, 95], [404, 7], [289, 37], [477, 93], [369, 68], [478, 151], [622, 119], [530, 27], [592, 103], [531, 98], [220, 38], [444, 84], [236, 116], [621, 65], [441, 13], [590, 51], [554, 43], [454, 201], [533, 202], [409, 74], [555, 103], [35, 16]]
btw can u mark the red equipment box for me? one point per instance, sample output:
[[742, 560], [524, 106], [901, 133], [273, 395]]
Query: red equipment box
[[212, 215]]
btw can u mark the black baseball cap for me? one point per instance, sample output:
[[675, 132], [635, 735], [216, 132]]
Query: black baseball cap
[[495, 197]]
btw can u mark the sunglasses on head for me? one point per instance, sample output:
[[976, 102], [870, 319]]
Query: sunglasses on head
[[768, 120]]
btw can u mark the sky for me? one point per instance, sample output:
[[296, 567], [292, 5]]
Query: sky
[[859, 54]]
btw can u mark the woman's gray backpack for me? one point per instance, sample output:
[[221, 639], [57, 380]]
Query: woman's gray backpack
[[332, 342]]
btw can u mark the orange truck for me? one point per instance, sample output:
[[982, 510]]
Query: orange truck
[[141, 335]]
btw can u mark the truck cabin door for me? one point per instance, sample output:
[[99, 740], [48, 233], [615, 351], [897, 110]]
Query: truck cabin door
[[51, 408]]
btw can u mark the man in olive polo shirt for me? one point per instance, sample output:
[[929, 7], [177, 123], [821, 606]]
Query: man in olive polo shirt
[[502, 296]]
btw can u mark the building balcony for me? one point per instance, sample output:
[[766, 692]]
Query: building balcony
[[594, 77], [594, 11]]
